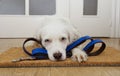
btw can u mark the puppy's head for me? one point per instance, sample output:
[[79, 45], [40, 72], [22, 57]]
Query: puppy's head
[[55, 36], [55, 42]]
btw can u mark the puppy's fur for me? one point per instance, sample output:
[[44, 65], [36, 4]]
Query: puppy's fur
[[55, 35]]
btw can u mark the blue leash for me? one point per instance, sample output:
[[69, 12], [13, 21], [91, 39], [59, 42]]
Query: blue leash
[[41, 53]]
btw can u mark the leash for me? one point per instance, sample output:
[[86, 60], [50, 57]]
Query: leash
[[41, 53]]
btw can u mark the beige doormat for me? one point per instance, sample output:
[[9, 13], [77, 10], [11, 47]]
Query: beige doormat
[[110, 57]]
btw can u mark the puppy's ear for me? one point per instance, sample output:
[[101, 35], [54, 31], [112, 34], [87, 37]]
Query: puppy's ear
[[38, 37], [73, 34]]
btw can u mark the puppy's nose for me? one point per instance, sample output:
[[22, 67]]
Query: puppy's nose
[[57, 55]]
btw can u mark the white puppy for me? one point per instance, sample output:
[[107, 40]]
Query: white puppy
[[55, 35]]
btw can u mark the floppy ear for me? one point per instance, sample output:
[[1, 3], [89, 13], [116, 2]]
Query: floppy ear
[[74, 34], [38, 37]]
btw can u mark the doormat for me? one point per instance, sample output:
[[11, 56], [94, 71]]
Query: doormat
[[110, 57]]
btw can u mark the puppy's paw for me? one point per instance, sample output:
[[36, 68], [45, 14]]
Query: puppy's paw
[[79, 56]]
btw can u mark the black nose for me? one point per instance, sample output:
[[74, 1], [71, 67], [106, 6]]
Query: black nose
[[57, 55]]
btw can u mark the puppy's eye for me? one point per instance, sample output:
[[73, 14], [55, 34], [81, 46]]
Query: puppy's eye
[[63, 39], [47, 40]]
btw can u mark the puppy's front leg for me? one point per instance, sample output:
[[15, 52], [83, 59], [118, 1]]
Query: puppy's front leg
[[79, 55]]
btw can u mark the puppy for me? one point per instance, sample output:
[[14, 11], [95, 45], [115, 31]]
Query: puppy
[[55, 34]]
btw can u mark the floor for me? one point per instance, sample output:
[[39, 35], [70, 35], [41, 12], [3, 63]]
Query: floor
[[58, 71]]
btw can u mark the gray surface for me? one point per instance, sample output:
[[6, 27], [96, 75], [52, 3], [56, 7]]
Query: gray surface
[[12, 7], [90, 7], [42, 7]]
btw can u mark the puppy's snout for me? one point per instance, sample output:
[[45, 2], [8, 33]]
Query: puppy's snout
[[57, 55]]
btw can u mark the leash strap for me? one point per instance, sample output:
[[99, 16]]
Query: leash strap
[[90, 47], [41, 53], [38, 53], [78, 42], [29, 39]]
